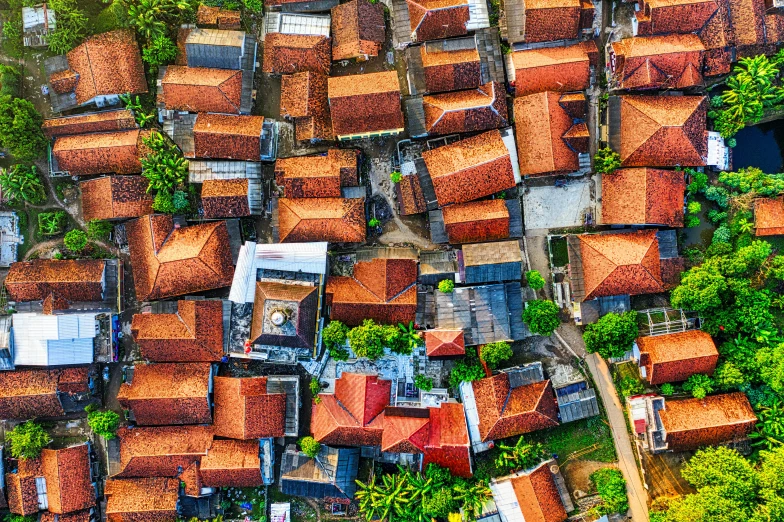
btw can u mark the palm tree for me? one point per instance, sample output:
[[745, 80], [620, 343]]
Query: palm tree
[[770, 429], [410, 335], [521, 455]]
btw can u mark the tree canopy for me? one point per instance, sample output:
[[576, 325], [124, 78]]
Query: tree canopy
[[20, 129], [27, 440], [496, 353], [541, 316], [612, 335]]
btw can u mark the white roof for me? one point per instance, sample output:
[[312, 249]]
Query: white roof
[[280, 512], [34, 16], [53, 340], [506, 501], [295, 23]]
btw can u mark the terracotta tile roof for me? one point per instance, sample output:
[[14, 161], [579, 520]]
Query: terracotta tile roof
[[473, 110], [560, 69], [543, 131], [74, 380], [353, 415], [115, 197], [227, 136], [293, 53], [194, 333], [410, 198], [161, 451], [382, 289], [22, 491], [218, 17], [450, 70], [643, 197], [153, 499], [28, 394], [182, 54], [716, 419], [63, 82], [106, 121], [198, 89], [317, 176], [507, 412], [621, 263], [168, 393], [232, 463], [336, 220], [477, 221], [297, 306], [769, 216], [101, 153], [365, 103], [663, 131], [78, 516], [676, 357], [169, 261], [303, 97], [357, 30], [404, 432], [448, 445], [225, 198], [74, 280], [436, 19], [679, 16], [444, 343], [470, 169], [537, 495], [658, 62], [244, 409], [108, 63], [546, 21], [68, 484]]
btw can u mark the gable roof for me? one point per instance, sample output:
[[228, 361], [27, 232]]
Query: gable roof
[[317, 176], [656, 62], [450, 70], [660, 131], [434, 19], [470, 168], [769, 216], [294, 306], [162, 451], [100, 153], [548, 139], [194, 333], [381, 289], [73, 280], [303, 97], [505, 411], [104, 121], [115, 197], [199, 89], [621, 263], [472, 110], [68, 479], [138, 499], [218, 16], [244, 409], [677, 356], [358, 30], [337, 220], [537, 495], [107, 64], [561, 68], [643, 196], [232, 463], [168, 393], [444, 343], [365, 103], [410, 198], [293, 53], [675, 16], [548, 20], [476, 221], [225, 198], [169, 261], [227, 136], [28, 394]]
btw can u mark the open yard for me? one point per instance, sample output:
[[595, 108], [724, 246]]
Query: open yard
[[549, 206]]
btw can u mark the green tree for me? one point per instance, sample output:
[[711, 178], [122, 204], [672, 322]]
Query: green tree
[[753, 180], [152, 17], [159, 51], [721, 467], [606, 161], [309, 446], [71, 26], [611, 487], [467, 369], [423, 382], [535, 279], [629, 386], [75, 240], [99, 230], [770, 428], [473, 497], [367, 340], [254, 6], [446, 286], [20, 129], [698, 385], [396, 177], [104, 423], [495, 353], [612, 335], [27, 440], [22, 184], [541, 316], [10, 80], [12, 517], [667, 389], [164, 166], [335, 335], [701, 288], [522, 455], [727, 376], [315, 386], [410, 337]]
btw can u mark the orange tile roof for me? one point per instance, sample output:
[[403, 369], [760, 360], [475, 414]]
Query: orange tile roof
[[550, 21], [141, 499], [658, 62], [105, 121], [663, 131], [336, 220], [168, 393], [450, 70], [769, 216], [537, 495], [232, 463], [225, 198], [299, 303], [435, 19], [471, 110], [676, 357], [444, 343], [448, 445], [675, 16], [560, 69], [643, 197], [100, 153], [410, 198], [68, 482], [365, 103], [317, 176], [218, 17], [621, 263], [303, 97], [227, 136], [199, 89], [293, 53], [169, 261], [476, 221], [470, 169], [115, 197], [73, 280], [358, 30], [162, 451], [244, 409], [382, 289]]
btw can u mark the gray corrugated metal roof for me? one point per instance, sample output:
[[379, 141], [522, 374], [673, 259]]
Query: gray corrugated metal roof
[[415, 116], [668, 244], [515, 218], [426, 184], [437, 228], [482, 312], [524, 375]]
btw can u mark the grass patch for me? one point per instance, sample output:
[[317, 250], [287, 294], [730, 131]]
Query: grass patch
[[560, 253], [576, 436]]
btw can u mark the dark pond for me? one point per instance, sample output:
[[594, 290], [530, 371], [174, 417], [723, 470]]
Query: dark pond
[[760, 146]]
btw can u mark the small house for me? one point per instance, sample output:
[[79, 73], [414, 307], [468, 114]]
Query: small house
[[27, 394], [161, 451], [563, 68], [141, 499], [365, 105], [673, 61], [544, 21], [473, 110], [303, 98], [434, 20], [643, 196], [218, 17], [676, 356], [38, 22], [491, 262], [477, 221], [358, 30], [224, 136], [100, 153], [115, 197], [673, 17], [88, 123], [332, 474], [247, 408], [225, 198], [537, 494], [293, 53], [317, 176]]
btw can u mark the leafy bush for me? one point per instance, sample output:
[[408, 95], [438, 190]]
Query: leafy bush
[[496, 353], [51, 223], [693, 207], [309, 446], [606, 161], [611, 486], [10, 79], [396, 177], [12, 35], [13, 517], [718, 195], [612, 335], [104, 423], [522, 455], [541, 317], [629, 386], [254, 6], [727, 376], [315, 386], [717, 216], [334, 336], [446, 286], [374, 222], [535, 279], [699, 385], [439, 503], [164, 166], [159, 51], [75, 240], [27, 440], [423, 382], [367, 340], [22, 184], [467, 369], [752, 179], [667, 389], [71, 26], [691, 221], [99, 230]]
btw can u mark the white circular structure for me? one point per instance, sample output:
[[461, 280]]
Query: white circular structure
[[278, 318]]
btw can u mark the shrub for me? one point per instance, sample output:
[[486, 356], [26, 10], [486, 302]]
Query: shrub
[[98, 230], [446, 286], [611, 486], [10, 79], [334, 334], [541, 316], [423, 382], [667, 389], [75, 240], [732, 143], [51, 223], [699, 181], [612, 335], [22, 184], [27, 440], [535, 279], [722, 234], [629, 386], [12, 517], [396, 177], [309, 446], [374, 222], [699, 385], [467, 369], [693, 207], [606, 161], [104, 423], [160, 51], [315, 386], [163, 203], [691, 221], [254, 6], [496, 353]]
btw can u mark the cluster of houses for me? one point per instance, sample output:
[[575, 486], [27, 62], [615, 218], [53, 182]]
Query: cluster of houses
[[191, 427]]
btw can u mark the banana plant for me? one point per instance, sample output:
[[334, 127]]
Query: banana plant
[[411, 336], [473, 497], [770, 429]]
